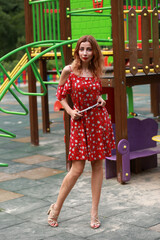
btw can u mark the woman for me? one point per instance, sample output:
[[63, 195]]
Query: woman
[[91, 130]]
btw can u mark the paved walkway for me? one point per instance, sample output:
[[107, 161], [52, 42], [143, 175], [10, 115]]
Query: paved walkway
[[31, 182]]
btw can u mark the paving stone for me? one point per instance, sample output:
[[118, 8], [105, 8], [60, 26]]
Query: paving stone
[[6, 177], [22, 205], [38, 173], [127, 212], [56, 164], [34, 159], [115, 230], [38, 215], [3, 151], [65, 235], [19, 184], [8, 220], [47, 142], [58, 178], [7, 195], [17, 168], [14, 154], [149, 199], [156, 228], [82, 226], [24, 139], [138, 217], [57, 115], [48, 190], [78, 202], [69, 213], [28, 230]]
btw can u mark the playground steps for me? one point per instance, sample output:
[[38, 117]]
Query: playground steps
[[19, 65], [4, 85]]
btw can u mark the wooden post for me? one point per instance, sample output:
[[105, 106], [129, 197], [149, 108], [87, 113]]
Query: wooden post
[[155, 98], [31, 78], [155, 87], [44, 99], [65, 27], [119, 76]]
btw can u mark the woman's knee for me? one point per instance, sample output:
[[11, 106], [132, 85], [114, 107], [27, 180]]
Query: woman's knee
[[97, 165], [77, 168]]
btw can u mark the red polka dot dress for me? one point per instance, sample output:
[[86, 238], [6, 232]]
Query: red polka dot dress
[[91, 136]]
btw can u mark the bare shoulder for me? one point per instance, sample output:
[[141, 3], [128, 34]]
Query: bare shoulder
[[65, 74], [67, 69]]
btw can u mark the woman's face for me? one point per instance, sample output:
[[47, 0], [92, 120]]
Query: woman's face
[[85, 52]]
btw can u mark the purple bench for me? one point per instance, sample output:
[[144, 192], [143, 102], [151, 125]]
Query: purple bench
[[140, 148]]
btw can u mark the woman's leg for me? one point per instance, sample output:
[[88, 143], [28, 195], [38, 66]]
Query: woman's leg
[[96, 184], [68, 183]]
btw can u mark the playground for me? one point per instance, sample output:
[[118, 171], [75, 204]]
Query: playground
[[131, 53], [29, 184], [32, 143]]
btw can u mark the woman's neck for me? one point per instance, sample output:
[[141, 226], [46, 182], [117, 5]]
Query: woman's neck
[[85, 66], [86, 73]]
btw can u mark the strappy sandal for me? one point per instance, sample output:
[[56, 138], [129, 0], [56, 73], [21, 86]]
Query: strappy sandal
[[95, 222], [52, 218]]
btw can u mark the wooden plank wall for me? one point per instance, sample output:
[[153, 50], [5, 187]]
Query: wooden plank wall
[[150, 51], [149, 54]]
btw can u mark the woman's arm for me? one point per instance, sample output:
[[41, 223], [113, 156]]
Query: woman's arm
[[65, 74], [72, 112]]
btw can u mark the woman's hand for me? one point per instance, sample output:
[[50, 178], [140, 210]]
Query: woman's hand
[[101, 102], [75, 114]]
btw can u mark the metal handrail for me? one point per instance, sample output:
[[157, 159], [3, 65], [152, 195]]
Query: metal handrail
[[32, 60]]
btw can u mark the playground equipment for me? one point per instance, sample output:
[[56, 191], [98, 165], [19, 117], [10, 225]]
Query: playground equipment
[[45, 20], [147, 55], [140, 49], [4, 133], [25, 61], [138, 152], [91, 17], [10, 81], [52, 27]]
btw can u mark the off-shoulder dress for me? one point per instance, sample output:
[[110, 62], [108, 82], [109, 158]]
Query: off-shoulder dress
[[91, 136]]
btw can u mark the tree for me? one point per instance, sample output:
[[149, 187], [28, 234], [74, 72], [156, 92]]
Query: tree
[[12, 27]]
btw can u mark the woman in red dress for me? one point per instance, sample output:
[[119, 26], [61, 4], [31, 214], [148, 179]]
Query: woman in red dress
[[91, 135]]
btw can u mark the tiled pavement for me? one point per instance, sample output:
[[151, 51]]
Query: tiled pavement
[[31, 182]]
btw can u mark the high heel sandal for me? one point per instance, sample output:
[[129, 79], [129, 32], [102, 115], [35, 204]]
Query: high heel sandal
[[95, 223], [52, 218]]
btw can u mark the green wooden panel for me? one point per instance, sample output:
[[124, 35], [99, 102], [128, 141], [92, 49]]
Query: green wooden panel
[[100, 27]]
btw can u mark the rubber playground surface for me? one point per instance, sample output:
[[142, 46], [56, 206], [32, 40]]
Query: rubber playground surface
[[32, 179]]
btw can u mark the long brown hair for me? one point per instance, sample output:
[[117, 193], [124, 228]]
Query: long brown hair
[[97, 62]]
